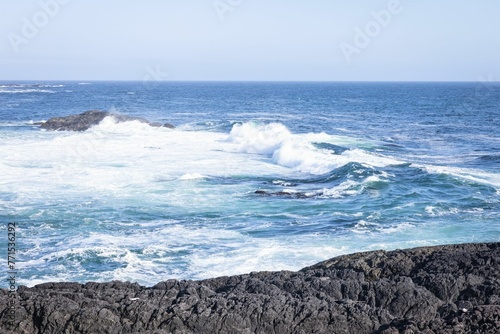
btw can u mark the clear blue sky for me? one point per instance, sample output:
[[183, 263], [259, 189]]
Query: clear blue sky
[[249, 40]]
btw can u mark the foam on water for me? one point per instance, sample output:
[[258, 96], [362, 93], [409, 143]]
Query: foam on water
[[192, 176], [25, 91], [111, 156], [28, 88], [222, 194], [176, 251], [259, 138], [164, 249], [473, 175], [350, 188], [297, 151]]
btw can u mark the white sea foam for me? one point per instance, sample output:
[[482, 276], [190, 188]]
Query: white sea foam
[[30, 85], [259, 138], [440, 212], [397, 228], [346, 188], [364, 226], [297, 150], [21, 91], [131, 158], [46, 175], [160, 250], [192, 176], [116, 158], [113, 157], [469, 174]]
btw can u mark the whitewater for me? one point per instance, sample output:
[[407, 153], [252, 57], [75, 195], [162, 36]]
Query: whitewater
[[255, 176]]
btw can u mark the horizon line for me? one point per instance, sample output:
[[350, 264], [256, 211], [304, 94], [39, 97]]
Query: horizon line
[[248, 81]]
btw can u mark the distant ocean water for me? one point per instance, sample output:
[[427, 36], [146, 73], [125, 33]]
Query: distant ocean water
[[256, 176]]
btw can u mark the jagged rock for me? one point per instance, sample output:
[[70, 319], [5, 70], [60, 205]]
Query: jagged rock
[[444, 289], [84, 121], [80, 122]]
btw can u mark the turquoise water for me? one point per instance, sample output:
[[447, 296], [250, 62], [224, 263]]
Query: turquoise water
[[256, 176]]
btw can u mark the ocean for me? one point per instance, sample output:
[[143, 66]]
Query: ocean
[[255, 176]]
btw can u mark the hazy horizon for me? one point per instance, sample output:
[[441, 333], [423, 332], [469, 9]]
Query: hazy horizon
[[34, 81], [249, 41]]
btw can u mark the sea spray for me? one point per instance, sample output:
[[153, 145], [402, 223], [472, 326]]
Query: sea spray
[[272, 176]]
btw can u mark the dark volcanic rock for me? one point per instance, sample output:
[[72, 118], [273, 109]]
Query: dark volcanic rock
[[281, 194], [84, 121], [445, 289], [80, 122]]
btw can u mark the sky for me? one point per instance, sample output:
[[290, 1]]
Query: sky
[[250, 40]]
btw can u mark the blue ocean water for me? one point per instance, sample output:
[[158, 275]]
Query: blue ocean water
[[255, 176]]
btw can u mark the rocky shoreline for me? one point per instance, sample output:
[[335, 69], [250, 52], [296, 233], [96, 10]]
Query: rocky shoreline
[[440, 289]]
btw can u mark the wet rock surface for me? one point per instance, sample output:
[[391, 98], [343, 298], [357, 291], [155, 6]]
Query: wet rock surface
[[443, 289], [281, 194], [86, 120]]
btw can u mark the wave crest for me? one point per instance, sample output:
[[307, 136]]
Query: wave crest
[[308, 153]]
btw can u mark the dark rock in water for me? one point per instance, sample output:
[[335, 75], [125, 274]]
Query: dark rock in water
[[86, 120], [444, 289], [80, 122], [281, 194], [168, 125]]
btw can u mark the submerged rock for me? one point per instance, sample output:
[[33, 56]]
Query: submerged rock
[[294, 194], [443, 289], [86, 120]]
